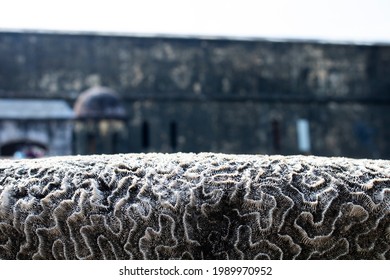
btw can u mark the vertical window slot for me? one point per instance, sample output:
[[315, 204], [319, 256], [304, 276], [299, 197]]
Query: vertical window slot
[[173, 135], [145, 135]]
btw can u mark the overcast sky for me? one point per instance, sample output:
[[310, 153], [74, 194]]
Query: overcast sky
[[340, 20]]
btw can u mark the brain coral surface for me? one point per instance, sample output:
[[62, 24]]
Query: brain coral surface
[[194, 206]]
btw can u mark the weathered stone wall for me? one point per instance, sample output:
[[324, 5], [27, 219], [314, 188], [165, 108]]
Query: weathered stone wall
[[354, 130], [63, 65], [223, 95], [194, 206], [54, 135]]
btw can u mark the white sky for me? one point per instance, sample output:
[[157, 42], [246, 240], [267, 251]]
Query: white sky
[[340, 20]]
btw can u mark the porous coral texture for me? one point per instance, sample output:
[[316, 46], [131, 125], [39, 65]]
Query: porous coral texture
[[194, 206]]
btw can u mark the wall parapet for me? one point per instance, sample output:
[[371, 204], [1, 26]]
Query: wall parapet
[[194, 206]]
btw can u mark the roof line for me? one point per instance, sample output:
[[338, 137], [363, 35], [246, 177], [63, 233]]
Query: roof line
[[195, 37]]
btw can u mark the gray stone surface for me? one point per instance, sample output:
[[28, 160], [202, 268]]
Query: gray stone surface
[[62, 65], [214, 90], [194, 206]]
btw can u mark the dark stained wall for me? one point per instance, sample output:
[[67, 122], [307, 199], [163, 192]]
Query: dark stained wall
[[60, 65], [222, 95]]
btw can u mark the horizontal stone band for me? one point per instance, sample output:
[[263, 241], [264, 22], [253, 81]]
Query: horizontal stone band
[[194, 206]]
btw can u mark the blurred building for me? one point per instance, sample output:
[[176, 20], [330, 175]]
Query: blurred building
[[100, 123], [197, 94], [34, 128]]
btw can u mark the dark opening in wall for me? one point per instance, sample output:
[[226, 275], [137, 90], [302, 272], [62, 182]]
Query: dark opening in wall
[[28, 148], [74, 142], [173, 135], [115, 140], [275, 136], [145, 135], [91, 143]]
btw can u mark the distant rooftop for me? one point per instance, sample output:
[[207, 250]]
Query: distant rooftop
[[99, 102], [191, 36], [28, 109]]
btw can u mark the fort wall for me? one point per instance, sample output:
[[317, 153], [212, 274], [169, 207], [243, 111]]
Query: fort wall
[[220, 95]]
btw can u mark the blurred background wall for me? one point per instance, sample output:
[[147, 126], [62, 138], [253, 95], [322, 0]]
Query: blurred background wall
[[219, 95]]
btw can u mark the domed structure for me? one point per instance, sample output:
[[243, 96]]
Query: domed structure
[[99, 103], [100, 125]]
